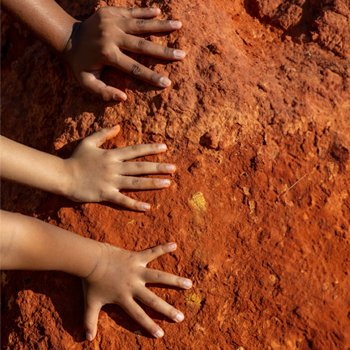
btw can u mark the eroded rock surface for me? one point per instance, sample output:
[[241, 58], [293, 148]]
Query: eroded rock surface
[[258, 123]]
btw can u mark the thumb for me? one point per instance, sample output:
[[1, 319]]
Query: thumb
[[91, 313], [100, 137], [92, 84]]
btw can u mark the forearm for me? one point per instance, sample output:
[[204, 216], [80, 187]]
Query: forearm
[[33, 168], [45, 18], [31, 244]]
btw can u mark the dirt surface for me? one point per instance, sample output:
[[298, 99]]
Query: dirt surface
[[258, 123]]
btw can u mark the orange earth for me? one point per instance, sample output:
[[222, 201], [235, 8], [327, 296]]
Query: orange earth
[[258, 123]]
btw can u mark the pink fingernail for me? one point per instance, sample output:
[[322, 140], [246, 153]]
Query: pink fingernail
[[187, 284], [179, 317], [175, 24], [155, 10], [170, 168], [89, 336], [165, 82], [159, 334], [172, 246], [162, 147], [179, 54], [145, 206], [164, 182]]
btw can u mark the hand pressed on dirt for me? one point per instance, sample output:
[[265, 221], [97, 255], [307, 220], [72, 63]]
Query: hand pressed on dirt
[[120, 277], [98, 175], [99, 41]]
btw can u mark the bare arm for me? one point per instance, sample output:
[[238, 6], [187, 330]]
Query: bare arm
[[99, 41], [92, 174], [109, 274]]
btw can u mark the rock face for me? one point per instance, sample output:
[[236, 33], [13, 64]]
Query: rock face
[[258, 123]]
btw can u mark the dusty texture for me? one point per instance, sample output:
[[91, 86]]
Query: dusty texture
[[258, 123]]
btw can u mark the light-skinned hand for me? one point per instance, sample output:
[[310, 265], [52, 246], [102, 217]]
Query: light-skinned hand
[[98, 175], [120, 278], [100, 40]]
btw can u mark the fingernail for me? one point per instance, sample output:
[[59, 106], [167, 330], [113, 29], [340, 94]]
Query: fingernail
[[164, 182], [172, 246], [179, 54], [118, 97], [179, 317], [89, 336], [163, 81], [175, 24], [162, 147], [155, 10], [170, 168], [145, 206], [159, 334], [187, 284], [115, 127]]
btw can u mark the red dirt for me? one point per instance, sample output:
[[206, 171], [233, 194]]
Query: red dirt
[[258, 123]]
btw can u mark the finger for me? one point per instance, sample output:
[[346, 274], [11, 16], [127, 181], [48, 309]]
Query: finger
[[143, 12], [141, 26], [136, 183], [139, 168], [155, 252], [158, 304], [140, 316], [135, 151], [137, 70], [101, 136], [156, 276], [140, 45], [91, 319], [97, 87], [128, 202]]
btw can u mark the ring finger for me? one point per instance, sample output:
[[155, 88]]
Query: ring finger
[[159, 305], [132, 67]]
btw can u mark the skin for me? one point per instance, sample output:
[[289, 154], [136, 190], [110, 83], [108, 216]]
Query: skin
[[91, 174], [87, 47], [109, 274]]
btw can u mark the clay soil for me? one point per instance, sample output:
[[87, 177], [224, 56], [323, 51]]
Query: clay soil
[[258, 123]]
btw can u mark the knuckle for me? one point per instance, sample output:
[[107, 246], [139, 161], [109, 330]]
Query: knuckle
[[139, 317], [142, 44], [135, 69], [140, 23], [153, 303], [135, 182], [134, 148], [154, 251], [168, 51], [139, 165]]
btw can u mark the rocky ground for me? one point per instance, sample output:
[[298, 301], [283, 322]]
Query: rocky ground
[[258, 123]]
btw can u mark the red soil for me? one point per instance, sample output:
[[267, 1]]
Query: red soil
[[258, 123]]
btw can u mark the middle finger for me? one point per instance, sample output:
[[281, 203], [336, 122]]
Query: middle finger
[[139, 168]]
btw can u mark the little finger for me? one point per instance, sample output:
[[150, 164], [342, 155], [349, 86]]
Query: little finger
[[128, 202], [140, 316]]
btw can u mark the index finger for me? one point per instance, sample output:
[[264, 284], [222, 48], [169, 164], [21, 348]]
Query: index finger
[[135, 151]]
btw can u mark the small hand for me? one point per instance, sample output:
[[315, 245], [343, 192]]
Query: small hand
[[98, 175], [120, 277], [99, 41]]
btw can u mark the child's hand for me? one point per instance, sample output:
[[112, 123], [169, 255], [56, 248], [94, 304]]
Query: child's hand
[[98, 175], [120, 277], [99, 41]]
